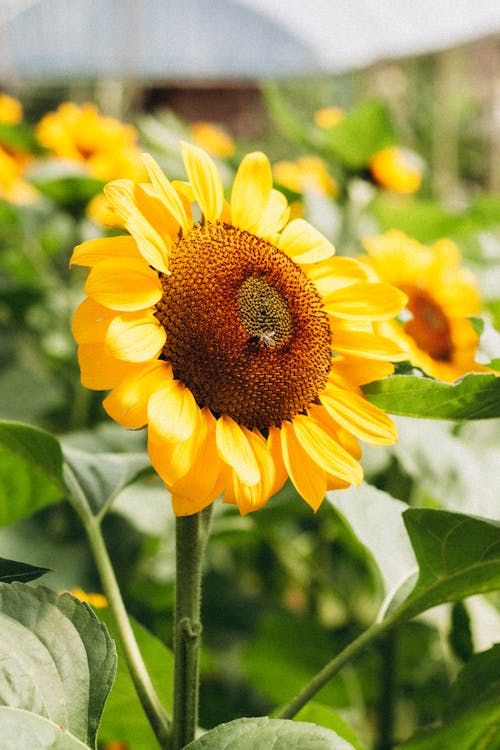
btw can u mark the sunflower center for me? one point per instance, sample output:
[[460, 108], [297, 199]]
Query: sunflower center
[[429, 326], [246, 329]]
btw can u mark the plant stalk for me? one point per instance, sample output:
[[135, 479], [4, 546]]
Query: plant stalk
[[191, 537], [140, 676], [369, 636]]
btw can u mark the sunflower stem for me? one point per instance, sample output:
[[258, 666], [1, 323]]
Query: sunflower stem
[[191, 537], [368, 637], [154, 710]]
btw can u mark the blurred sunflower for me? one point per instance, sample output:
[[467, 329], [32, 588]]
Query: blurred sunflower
[[306, 174], [442, 294], [235, 336], [212, 138], [328, 117], [13, 161], [397, 169], [11, 109], [106, 147]]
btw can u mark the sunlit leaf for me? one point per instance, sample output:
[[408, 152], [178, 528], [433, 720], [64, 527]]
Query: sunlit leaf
[[101, 476], [424, 220], [21, 730], [376, 519], [475, 396], [11, 570], [56, 659], [30, 471], [325, 716], [457, 555], [279, 734]]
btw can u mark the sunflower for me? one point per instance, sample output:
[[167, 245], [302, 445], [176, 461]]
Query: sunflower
[[442, 295], [307, 174], [235, 336], [212, 138], [11, 109], [106, 147], [397, 169]]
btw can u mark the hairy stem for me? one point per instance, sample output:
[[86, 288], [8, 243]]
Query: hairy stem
[[191, 536], [157, 716]]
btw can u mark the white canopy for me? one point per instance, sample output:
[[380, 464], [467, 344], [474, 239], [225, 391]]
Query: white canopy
[[221, 39]]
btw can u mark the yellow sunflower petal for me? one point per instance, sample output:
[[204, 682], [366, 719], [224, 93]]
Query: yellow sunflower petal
[[325, 451], [366, 300], [123, 196], [235, 449], [274, 448], [173, 461], [308, 478], [173, 412], [369, 345], [125, 287], [90, 322], [205, 179], [254, 497], [303, 243], [275, 215], [251, 191], [359, 371], [356, 414], [99, 370], [135, 337], [128, 401], [336, 273], [166, 191], [94, 251]]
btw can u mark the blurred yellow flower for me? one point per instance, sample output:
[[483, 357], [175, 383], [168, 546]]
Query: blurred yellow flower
[[306, 174], [11, 110], [101, 212], [327, 117], [212, 138], [238, 339], [13, 188], [442, 294], [397, 169], [98, 601], [107, 147]]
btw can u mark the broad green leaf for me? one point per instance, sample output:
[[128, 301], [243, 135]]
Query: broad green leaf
[[269, 734], [22, 730], [69, 190], [376, 519], [361, 133], [457, 555], [10, 571], [18, 137], [101, 476], [56, 659], [475, 396], [124, 719], [472, 716], [324, 716], [30, 471]]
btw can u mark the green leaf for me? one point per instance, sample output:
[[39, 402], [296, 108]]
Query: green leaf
[[18, 137], [10, 571], [69, 190], [475, 396], [269, 734], [376, 519], [457, 555], [22, 730], [325, 716], [30, 471], [101, 476], [472, 716], [361, 133], [124, 719], [56, 659]]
